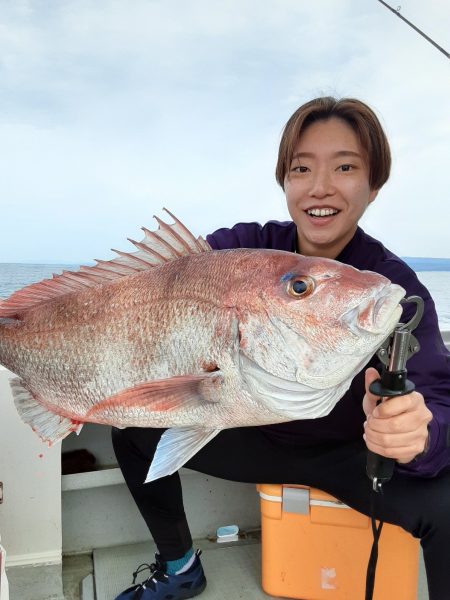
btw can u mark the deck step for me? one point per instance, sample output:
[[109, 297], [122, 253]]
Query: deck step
[[233, 570]]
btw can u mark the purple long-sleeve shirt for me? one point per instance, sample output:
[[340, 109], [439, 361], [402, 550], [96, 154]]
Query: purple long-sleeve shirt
[[429, 369]]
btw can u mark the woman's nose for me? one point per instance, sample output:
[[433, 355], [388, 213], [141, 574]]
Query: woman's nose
[[321, 185]]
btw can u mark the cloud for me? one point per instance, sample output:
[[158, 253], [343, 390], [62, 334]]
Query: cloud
[[110, 110]]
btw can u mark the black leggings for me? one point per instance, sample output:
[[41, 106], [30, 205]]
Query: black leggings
[[248, 454]]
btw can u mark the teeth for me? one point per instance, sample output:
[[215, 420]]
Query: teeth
[[322, 212]]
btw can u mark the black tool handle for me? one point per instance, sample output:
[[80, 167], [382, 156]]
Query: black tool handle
[[392, 383]]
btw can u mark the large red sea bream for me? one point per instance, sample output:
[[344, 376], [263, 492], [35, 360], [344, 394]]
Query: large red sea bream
[[178, 336]]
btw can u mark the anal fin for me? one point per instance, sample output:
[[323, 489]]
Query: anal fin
[[49, 426], [176, 447]]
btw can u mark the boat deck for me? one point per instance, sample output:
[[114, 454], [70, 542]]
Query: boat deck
[[233, 571]]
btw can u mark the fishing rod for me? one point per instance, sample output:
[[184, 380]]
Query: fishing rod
[[397, 12], [393, 353]]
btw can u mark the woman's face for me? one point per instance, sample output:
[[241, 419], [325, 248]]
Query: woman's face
[[327, 187]]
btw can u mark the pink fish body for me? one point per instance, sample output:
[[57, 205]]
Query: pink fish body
[[178, 336]]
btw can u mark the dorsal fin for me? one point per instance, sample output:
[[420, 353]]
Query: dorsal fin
[[167, 243]]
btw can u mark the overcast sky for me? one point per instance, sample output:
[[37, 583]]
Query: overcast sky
[[110, 110]]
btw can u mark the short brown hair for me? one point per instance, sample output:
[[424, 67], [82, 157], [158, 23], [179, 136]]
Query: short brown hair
[[361, 119]]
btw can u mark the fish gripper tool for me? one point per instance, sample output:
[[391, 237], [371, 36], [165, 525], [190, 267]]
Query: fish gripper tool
[[393, 353]]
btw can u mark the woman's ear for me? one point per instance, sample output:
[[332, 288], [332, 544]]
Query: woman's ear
[[373, 194]]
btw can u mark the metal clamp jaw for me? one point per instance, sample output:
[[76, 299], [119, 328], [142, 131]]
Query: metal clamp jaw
[[401, 344]]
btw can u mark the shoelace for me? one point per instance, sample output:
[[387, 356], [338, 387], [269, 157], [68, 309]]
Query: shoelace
[[156, 574], [140, 569]]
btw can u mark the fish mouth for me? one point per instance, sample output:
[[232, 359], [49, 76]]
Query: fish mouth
[[376, 315]]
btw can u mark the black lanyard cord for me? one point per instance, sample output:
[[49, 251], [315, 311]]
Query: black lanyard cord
[[373, 558]]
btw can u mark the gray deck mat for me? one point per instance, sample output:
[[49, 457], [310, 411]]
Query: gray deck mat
[[233, 571]]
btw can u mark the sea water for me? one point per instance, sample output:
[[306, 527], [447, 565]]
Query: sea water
[[438, 284]]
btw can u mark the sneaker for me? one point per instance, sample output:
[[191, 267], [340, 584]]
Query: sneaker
[[161, 586]]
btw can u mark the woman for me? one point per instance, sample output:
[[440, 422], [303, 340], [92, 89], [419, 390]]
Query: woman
[[334, 158]]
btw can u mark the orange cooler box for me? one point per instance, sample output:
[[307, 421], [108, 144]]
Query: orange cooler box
[[316, 548]]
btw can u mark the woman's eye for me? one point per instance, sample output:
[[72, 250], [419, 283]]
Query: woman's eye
[[345, 168], [299, 169]]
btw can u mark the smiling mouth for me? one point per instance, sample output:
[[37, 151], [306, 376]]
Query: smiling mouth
[[322, 212]]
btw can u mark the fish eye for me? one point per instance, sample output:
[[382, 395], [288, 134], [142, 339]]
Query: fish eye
[[300, 286]]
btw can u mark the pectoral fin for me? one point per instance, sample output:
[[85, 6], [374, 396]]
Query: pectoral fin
[[49, 426], [176, 447], [182, 392]]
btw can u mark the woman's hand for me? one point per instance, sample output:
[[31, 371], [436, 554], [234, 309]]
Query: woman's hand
[[396, 428]]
